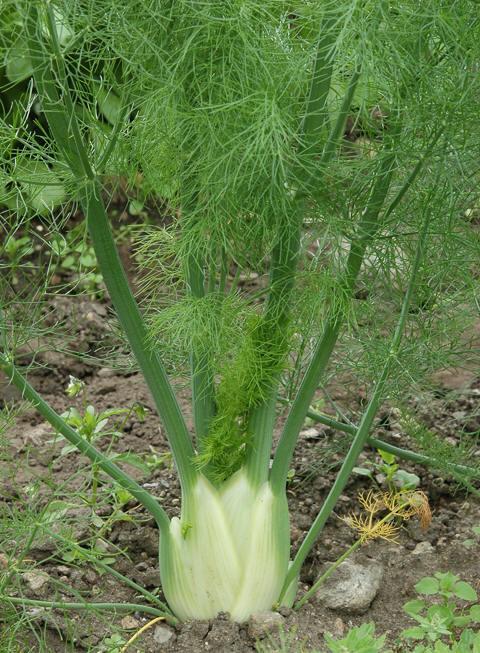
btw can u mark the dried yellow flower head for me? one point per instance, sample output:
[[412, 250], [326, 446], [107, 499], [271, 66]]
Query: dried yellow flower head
[[397, 505], [372, 530], [423, 511]]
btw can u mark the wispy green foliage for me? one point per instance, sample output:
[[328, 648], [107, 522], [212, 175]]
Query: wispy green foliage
[[331, 146]]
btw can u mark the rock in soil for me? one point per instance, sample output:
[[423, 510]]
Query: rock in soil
[[129, 622], [352, 587], [264, 623], [37, 581], [162, 634], [422, 548]]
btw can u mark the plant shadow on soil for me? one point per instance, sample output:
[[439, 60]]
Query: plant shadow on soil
[[31, 470]]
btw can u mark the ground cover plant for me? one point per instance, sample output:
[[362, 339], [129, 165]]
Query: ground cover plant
[[235, 113]]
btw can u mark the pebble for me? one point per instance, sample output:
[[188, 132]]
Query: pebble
[[352, 587], [423, 548], [338, 628], [106, 389], [309, 434], [38, 435], [105, 372], [90, 576], [129, 622], [264, 623], [36, 580], [162, 634]]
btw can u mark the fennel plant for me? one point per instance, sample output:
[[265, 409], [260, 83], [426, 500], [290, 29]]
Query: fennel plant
[[236, 113]]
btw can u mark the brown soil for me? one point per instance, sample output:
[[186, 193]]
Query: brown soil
[[32, 458]]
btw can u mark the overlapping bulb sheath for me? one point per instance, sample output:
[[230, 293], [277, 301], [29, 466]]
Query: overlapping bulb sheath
[[231, 555]]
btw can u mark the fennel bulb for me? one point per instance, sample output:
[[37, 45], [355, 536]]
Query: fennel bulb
[[232, 553]]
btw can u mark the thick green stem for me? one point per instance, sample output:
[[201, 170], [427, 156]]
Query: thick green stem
[[368, 226], [262, 417], [287, 250], [366, 422], [98, 458], [112, 607], [106, 568], [367, 229], [59, 112], [258, 460], [339, 127], [136, 332], [405, 454], [316, 114], [202, 377]]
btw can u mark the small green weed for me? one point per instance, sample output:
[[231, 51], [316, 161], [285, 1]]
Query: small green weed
[[473, 541], [358, 640], [78, 258], [442, 619], [388, 472]]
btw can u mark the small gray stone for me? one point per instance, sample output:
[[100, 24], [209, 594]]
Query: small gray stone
[[37, 581], [105, 372], [129, 622], [422, 548], [352, 587], [338, 628], [264, 623], [310, 434], [162, 634]]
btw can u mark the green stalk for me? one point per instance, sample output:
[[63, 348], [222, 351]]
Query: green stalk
[[405, 454], [316, 114], [113, 607], [339, 127], [136, 332], [366, 422], [258, 459], [202, 380], [286, 251], [98, 458], [368, 226], [106, 568], [66, 132], [262, 417], [367, 229]]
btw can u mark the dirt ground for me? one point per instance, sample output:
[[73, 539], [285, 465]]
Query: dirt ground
[[32, 474]]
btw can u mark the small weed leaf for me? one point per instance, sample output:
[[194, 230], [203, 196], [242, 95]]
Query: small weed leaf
[[475, 613], [447, 581], [465, 591], [414, 607], [414, 633], [358, 640], [428, 585], [406, 480]]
